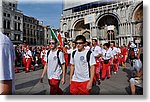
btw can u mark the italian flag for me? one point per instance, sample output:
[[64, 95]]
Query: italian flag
[[53, 35]]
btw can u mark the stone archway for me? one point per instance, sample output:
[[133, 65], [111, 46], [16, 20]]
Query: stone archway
[[106, 21], [137, 19], [81, 29]]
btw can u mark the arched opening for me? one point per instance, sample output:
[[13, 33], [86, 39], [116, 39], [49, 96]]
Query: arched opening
[[82, 29], [137, 18], [108, 27]]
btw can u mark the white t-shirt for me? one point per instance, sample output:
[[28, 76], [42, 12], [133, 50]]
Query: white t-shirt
[[87, 48], [96, 51], [28, 54], [7, 59], [54, 69], [114, 51], [106, 55], [81, 71]]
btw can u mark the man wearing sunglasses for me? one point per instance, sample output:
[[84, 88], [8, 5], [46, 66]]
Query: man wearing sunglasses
[[81, 72], [55, 68]]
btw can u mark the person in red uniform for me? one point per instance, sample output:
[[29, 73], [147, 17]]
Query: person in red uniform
[[43, 55], [115, 56], [28, 58], [107, 57], [124, 55], [97, 52]]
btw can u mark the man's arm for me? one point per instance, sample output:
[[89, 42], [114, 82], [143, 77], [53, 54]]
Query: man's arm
[[63, 73], [43, 73], [6, 87], [92, 73], [71, 72]]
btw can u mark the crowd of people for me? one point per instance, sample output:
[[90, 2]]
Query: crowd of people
[[89, 63]]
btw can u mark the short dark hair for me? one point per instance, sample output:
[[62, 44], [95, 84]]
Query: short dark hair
[[94, 40], [80, 37], [107, 45]]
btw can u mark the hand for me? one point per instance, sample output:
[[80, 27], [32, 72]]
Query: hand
[[70, 81], [63, 81], [89, 85], [41, 79]]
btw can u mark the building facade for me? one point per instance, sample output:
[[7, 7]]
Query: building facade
[[11, 21], [33, 31], [117, 20]]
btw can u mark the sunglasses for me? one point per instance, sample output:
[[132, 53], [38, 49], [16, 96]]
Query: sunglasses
[[52, 43], [79, 43]]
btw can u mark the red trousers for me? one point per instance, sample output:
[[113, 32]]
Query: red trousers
[[106, 70], [54, 87], [79, 88], [24, 61], [28, 64], [116, 64], [97, 70]]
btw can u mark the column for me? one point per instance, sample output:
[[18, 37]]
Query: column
[[93, 30], [131, 29]]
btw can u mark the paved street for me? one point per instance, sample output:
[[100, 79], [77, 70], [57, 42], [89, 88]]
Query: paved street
[[28, 83]]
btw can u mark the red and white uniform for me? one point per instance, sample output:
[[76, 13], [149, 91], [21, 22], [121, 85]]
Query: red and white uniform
[[115, 52], [106, 57], [124, 52], [54, 71], [81, 75], [28, 59], [43, 53], [97, 51]]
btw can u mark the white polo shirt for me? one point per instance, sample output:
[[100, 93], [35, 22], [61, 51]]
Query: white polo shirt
[[54, 69], [106, 55], [7, 59], [96, 50], [81, 71], [28, 54], [114, 51]]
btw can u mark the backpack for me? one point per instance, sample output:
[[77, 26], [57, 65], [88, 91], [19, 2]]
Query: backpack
[[59, 63], [87, 58]]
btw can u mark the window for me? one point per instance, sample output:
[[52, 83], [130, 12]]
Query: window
[[8, 24], [18, 26], [8, 15], [15, 26], [14, 5], [18, 18], [5, 14], [9, 4], [4, 24], [15, 17]]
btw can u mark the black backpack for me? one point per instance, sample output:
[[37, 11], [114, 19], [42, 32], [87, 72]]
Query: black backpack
[[59, 63], [87, 57]]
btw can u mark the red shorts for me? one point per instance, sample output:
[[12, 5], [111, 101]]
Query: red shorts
[[79, 88]]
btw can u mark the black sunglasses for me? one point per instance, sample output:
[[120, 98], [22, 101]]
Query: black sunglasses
[[79, 42], [52, 43]]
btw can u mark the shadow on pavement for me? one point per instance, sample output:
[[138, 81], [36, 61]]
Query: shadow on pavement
[[27, 84]]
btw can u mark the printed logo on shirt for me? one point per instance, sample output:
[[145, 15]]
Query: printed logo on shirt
[[55, 57], [81, 58]]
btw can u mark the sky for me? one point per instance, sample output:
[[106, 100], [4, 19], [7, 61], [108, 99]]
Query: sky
[[48, 12]]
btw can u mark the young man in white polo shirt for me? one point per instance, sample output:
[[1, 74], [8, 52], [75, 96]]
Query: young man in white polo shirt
[[7, 67], [55, 68], [97, 52], [81, 71]]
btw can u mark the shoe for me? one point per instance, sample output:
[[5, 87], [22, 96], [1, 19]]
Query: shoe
[[108, 77], [115, 73], [99, 82]]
